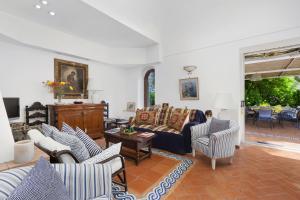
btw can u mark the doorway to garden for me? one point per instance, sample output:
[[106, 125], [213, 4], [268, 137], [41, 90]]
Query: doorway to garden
[[272, 98], [149, 88]]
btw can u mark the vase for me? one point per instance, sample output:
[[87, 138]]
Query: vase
[[59, 98]]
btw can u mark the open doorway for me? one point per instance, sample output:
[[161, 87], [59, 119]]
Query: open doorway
[[272, 98], [149, 88]]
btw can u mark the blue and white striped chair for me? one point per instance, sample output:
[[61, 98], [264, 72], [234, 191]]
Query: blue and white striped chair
[[217, 145], [82, 181]]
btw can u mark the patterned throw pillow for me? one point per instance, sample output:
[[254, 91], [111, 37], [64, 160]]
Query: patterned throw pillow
[[105, 154], [77, 147], [178, 120], [165, 115], [145, 117], [42, 182], [67, 129], [89, 143], [47, 130]]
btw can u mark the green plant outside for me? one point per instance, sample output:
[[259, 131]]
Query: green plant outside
[[276, 91], [152, 98]]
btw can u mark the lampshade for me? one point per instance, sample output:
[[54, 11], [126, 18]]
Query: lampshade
[[92, 86], [7, 140], [223, 101]]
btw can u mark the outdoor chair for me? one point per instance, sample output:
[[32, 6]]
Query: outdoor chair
[[266, 116], [216, 145]]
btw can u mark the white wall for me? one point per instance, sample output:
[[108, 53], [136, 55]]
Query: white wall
[[220, 69], [23, 69]]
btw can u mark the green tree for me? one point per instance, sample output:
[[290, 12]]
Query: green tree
[[275, 91]]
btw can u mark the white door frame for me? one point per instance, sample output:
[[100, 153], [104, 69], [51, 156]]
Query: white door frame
[[255, 49]]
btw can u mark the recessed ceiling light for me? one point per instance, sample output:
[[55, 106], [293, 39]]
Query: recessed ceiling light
[[52, 13], [37, 6], [44, 2]]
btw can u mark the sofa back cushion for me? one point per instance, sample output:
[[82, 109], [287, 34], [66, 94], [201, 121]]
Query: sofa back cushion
[[178, 119], [164, 115], [145, 117], [217, 125]]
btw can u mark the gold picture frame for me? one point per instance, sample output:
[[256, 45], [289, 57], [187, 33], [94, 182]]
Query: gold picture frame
[[75, 74], [189, 89]]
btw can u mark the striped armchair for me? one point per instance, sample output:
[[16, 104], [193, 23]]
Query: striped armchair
[[217, 145], [82, 181]]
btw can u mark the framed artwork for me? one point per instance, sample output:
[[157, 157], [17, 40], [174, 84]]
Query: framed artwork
[[189, 89], [75, 74], [131, 107]]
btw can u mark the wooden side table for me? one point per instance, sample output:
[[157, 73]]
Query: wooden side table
[[11, 164]]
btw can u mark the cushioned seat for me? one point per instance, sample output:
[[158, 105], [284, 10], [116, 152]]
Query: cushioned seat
[[203, 140]]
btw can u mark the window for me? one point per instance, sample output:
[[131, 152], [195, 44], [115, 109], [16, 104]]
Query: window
[[149, 88]]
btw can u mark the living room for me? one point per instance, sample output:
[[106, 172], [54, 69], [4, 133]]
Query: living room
[[114, 44]]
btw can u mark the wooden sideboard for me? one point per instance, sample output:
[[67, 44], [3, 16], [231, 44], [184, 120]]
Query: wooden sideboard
[[88, 117]]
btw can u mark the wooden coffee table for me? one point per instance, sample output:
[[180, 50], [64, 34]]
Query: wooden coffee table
[[133, 142]]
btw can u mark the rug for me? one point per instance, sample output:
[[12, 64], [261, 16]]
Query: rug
[[178, 166]]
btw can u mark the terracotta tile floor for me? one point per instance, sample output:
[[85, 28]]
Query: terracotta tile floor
[[286, 133], [256, 173], [142, 178]]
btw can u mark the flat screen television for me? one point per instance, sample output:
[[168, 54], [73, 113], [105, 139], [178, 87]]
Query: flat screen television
[[12, 106]]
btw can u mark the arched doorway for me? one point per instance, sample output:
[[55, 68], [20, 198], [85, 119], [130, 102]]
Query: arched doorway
[[149, 88]]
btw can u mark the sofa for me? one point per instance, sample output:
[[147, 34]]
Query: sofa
[[80, 180], [176, 140]]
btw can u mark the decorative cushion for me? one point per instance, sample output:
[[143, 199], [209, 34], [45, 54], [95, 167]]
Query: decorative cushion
[[145, 117], [178, 119], [10, 179], [92, 147], [51, 145], [47, 130], [42, 182], [77, 146], [67, 129], [164, 115], [217, 125], [105, 154], [35, 135], [86, 181]]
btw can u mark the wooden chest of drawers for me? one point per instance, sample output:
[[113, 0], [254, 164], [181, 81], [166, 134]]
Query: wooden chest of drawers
[[88, 117]]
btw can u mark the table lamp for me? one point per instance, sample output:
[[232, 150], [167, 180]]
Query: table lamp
[[7, 140], [223, 101], [94, 89]]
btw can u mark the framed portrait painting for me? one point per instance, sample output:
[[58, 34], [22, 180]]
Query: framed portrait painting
[[189, 89], [75, 74]]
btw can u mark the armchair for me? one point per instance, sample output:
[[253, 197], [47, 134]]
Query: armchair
[[216, 145]]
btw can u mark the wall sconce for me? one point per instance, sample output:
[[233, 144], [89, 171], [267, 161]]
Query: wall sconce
[[189, 69]]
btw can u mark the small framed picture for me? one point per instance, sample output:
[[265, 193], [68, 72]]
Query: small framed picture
[[131, 106], [189, 89]]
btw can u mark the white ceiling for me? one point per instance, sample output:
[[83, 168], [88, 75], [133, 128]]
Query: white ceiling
[[79, 19], [192, 24]]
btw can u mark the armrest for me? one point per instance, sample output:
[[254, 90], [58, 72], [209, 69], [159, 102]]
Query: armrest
[[200, 130], [223, 143]]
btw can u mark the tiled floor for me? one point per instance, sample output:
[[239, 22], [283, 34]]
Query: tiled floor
[[142, 178], [256, 173], [287, 132]]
